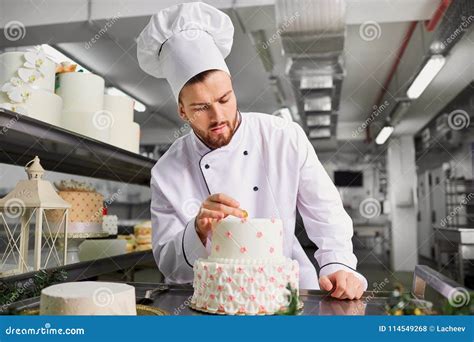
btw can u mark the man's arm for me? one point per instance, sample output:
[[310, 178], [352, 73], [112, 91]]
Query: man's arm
[[176, 244], [326, 222]]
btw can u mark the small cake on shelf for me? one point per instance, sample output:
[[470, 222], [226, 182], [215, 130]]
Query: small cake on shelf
[[246, 272], [142, 232], [88, 298], [110, 224], [85, 215]]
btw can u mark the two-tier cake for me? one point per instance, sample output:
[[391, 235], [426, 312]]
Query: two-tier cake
[[246, 272]]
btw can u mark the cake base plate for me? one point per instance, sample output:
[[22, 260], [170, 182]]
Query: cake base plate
[[299, 310], [142, 310]]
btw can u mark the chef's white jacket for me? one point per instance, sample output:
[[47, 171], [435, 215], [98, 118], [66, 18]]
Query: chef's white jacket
[[270, 168]]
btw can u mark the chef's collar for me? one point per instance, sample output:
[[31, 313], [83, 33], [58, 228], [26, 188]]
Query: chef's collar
[[202, 149]]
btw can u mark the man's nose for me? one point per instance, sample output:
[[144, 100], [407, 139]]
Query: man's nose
[[216, 114]]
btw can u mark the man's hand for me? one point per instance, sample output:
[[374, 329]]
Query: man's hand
[[215, 208], [342, 284]]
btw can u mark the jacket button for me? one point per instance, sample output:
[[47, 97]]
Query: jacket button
[[207, 166], [255, 188], [245, 153]]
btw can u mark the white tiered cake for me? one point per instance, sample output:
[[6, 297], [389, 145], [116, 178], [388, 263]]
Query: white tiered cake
[[27, 85], [246, 272], [88, 298]]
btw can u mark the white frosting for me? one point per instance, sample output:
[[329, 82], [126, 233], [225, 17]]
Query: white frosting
[[41, 103], [81, 92], [243, 289], [246, 272], [259, 239], [10, 62], [88, 298]]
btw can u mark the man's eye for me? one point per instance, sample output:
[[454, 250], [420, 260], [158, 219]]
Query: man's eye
[[224, 100], [200, 109]]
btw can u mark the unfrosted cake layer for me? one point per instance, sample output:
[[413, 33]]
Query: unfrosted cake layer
[[249, 289], [259, 239], [88, 298]]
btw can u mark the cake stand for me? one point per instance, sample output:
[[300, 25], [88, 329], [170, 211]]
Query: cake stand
[[73, 242]]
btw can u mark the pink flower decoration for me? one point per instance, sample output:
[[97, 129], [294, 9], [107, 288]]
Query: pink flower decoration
[[272, 279], [260, 269], [228, 234], [261, 308], [229, 279], [240, 269], [251, 280], [212, 296], [220, 288], [259, 234], [218, 248], [272, 249], [262, 288], [219, 269], [279, 269], [241, 289], [211, 277], [243, 249], [242, 309], [281, 286], [230, 298], [252, 298], [221, 308]]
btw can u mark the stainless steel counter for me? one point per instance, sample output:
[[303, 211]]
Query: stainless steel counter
[[175, 299]]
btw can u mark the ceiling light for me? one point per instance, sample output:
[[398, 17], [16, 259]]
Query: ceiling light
[[383, 135], [426, 75]]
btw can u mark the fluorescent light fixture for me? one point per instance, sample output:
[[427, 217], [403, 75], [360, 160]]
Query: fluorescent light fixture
[[58, 56], [319, 104], [316, 82], [318, 120], [426, 75], [139, 107], [317, 133], [383, 135]]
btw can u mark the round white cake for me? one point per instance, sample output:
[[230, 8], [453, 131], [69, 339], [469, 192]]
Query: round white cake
[[246, 272], [88, 298]]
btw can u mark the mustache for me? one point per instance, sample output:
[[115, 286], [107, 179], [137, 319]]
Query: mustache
[[217, 124]]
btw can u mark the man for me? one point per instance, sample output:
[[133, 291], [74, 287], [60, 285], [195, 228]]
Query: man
[[232, 161]]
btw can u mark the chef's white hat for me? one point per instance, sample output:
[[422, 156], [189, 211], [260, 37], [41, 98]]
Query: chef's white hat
[[184, 40]]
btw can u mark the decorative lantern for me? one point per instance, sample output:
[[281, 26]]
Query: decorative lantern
[[29, 204]]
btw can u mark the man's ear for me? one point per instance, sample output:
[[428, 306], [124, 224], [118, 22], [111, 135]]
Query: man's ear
[[181, 112]]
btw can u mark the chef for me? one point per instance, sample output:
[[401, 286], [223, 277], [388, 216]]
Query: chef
[[234, 163]]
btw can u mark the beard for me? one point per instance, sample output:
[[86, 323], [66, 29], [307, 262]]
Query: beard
[[216, 140]]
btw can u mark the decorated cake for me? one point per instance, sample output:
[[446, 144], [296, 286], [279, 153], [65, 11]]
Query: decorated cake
[[88, 298], [27, 81], [110, 224], [85, 215], [246, 272]]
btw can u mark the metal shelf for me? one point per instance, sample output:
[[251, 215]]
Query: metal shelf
[[60, 150]]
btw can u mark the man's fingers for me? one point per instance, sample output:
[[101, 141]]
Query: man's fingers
[[359, 292], [223, 208], [208, 213], [224, 199], [325, 283], [340, 284]]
